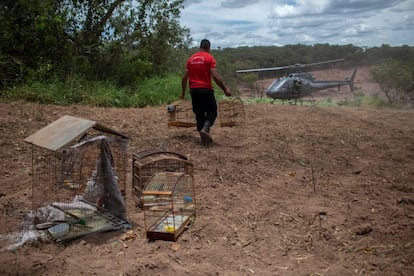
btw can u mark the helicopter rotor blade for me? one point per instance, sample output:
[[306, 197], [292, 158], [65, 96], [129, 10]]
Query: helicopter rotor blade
[[295, 66], [324, 62], [263, 69]]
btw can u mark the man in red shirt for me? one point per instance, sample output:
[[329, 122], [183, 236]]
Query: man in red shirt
[[199, 70]]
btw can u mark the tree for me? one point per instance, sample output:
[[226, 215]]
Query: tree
[[395, 80], [145, 31], [153, 31], [31, 34], [91, 38]]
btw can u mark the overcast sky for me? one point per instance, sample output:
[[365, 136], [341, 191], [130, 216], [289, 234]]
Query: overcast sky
[[233, 23]]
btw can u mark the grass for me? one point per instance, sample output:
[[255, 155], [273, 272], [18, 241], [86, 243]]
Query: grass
[[157, 91], [154, 91], [290, 102], [357, 101], [363, 100], [150, 92]]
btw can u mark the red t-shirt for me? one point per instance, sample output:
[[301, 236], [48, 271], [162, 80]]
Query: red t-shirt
[[198, 66]]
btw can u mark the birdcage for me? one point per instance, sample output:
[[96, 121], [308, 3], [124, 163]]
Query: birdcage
[[180, 114], [169, 205], [231, 112], [149, 162], [78, 177]]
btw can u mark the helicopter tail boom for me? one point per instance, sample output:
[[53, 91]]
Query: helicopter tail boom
[[350, 81]]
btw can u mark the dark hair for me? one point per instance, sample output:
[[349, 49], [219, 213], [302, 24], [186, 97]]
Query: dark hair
[[205, 44]]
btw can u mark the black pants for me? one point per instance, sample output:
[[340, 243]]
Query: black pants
[[204, 106]]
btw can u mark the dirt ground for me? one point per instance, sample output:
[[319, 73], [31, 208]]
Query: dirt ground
[[296, 190]]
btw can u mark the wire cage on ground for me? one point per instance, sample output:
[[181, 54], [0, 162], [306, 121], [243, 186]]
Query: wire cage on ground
[[180, 114], [169, 205], [231, 112], [78, 177], [149, 162]]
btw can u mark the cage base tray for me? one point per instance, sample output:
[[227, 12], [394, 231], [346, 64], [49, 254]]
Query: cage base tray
[[181, 124], [96, 223], [160, 230]]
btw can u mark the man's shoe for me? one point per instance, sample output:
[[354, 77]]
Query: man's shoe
[[205, 137]]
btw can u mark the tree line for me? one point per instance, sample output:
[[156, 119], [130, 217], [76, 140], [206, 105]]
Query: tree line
[[123, 42]]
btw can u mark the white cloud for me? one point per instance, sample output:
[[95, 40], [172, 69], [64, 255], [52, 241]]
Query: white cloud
[[232, 23], [300, 7]]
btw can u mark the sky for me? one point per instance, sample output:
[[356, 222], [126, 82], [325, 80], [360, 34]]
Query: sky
[[363, 23]]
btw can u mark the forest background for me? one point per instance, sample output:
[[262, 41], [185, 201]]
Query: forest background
[[132, 53]]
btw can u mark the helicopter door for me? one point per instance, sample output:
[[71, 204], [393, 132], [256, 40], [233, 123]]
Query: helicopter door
[[297, 85]]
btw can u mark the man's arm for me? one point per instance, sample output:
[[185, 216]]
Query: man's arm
[[184, 84], [217, 78]]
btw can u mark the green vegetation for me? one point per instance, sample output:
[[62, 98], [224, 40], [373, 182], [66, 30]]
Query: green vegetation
[[153, 91], [157, 91], [117, 40], [131, 54], [363, 100], [396, 81]]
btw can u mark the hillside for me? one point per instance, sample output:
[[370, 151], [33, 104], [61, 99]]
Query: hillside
[[297, 190]]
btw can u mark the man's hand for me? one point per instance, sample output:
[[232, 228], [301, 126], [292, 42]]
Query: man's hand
[[227, 92], [184, 81]]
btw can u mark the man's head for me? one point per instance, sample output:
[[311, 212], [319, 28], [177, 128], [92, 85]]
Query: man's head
[[205, 45]]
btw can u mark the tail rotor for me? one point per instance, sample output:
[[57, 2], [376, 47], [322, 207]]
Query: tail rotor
[[350, 81]]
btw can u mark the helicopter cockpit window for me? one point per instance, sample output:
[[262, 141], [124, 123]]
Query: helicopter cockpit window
[[296, 86], [277, 85]]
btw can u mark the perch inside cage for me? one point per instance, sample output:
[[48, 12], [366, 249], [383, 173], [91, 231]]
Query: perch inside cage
[[231, 112], [78, 178], [169, 205], [149, 162]]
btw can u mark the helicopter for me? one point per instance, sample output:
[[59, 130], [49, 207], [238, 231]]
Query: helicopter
[[300, 84]]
